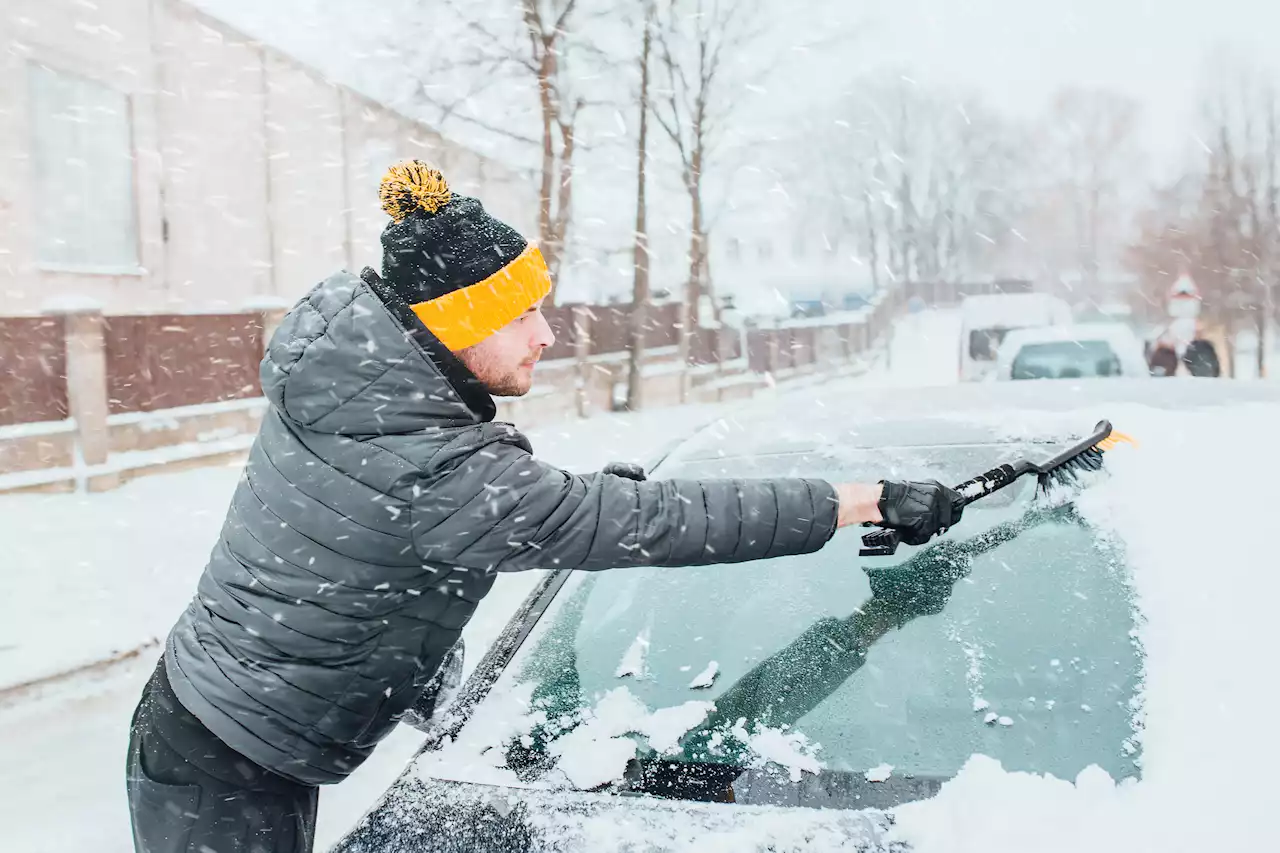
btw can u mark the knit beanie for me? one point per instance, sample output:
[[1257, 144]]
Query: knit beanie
[[463, 273]]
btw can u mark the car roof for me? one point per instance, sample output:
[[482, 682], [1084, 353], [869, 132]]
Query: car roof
[[1112, 333], [1010, 309], [845, 417], [1119, 337]]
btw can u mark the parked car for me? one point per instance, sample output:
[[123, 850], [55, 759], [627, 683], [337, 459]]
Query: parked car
[[589, 724], [1082, 351], [987, 319]]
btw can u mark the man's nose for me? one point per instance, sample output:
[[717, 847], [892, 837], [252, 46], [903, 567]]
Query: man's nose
[[543, 337]]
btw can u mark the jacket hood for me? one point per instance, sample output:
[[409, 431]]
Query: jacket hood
[[350, 359]]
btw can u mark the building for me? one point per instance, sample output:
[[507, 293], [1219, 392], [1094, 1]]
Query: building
[[152, 158]]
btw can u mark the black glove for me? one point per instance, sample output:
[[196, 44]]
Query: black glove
[[625, 469], [919, 510]]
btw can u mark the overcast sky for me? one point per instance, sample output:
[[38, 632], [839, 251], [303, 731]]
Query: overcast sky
[[1018, 52]]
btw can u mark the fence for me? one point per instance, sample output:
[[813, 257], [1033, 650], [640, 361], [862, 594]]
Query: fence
[[32, 370], [169, 360], [87, 397], [610, 329]]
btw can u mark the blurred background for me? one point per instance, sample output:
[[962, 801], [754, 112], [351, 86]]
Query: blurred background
[[733, 197], [177, 172]]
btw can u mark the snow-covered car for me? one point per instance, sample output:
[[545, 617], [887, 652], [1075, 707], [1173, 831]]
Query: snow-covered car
[[809, 703], [1081, 351], [985, 320]]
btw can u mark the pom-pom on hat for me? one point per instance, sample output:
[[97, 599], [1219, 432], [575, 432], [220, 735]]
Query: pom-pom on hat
[[464, 273]]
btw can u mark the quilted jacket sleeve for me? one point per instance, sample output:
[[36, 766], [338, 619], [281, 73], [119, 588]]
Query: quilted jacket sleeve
[[488, 504]]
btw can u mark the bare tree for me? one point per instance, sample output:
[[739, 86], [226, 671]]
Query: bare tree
[[640, 287], [696, 42], [926, 184], [1091, 158], [534, 50], [1219, 221]]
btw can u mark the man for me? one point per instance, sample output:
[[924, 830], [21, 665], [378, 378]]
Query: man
[[377, 506]]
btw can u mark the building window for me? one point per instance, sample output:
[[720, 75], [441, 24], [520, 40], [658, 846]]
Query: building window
[[82, 156]]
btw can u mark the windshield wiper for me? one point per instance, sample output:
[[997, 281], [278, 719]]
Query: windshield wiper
[[730, 783]]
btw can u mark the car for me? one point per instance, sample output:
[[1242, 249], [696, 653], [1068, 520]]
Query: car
[[1080, 351], [987, 318], [790, 704]]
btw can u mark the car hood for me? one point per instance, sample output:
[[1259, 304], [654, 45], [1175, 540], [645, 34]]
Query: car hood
[[426, 815]]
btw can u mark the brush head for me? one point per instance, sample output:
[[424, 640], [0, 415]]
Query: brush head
[[1074, 470]]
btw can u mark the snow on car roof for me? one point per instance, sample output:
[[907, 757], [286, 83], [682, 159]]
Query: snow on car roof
[[1113, 333], [966, 413], [1003, 310]]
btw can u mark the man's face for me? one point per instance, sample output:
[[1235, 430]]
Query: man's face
[[504, 361]]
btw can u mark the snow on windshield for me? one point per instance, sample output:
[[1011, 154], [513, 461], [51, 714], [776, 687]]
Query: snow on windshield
[[1203, 561]]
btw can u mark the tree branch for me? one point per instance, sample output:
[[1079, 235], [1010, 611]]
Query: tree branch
[[562, 21]]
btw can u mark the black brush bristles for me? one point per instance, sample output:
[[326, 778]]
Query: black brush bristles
[[1068, 473]]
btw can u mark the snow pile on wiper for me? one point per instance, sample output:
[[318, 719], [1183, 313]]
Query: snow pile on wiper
[[597, 751], [1195, 512], [594, 749], [790, 750]]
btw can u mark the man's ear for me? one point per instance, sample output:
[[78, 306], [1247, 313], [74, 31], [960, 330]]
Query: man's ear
[[625, 469]]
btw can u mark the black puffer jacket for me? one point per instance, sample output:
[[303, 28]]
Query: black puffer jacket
[[376, 507]]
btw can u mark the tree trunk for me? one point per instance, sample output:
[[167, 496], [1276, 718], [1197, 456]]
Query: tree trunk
[[873, 242], [689, 308], [546, 238], [693, 289], [640, 287], [564, 199]]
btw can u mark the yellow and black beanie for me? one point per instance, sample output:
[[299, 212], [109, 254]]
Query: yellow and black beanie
[[462, 272]]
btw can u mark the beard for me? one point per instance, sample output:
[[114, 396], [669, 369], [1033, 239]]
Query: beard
[[500, 380], [515, 384]]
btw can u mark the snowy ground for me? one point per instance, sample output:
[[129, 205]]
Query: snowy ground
[[87, 576], [121, 580]]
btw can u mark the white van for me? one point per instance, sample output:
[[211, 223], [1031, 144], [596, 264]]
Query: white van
[[985, 320]]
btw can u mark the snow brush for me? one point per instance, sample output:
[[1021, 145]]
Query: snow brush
[[1065, 469]]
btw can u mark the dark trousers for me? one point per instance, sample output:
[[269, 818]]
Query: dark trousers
[[191, 793]]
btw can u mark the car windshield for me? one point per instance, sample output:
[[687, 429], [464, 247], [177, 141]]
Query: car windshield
[[1011, 637], [1066, 360]]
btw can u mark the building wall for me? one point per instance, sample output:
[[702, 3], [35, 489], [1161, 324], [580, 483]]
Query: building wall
[[212, 114], [252, 176], [108, 43], [308, 191]]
